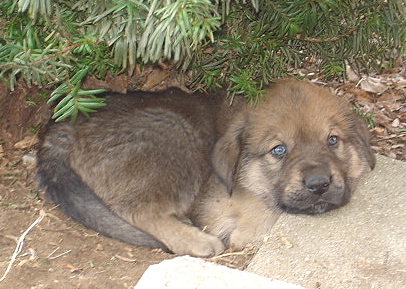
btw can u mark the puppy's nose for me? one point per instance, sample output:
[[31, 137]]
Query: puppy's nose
[[317, 184]]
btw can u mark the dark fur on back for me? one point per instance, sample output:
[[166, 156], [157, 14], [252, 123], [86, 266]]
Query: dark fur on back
[[120, 171], [64, 187]]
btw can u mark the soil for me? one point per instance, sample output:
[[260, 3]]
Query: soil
[[59, 253]]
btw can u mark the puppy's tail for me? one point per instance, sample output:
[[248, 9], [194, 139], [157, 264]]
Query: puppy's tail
[[64, 187]]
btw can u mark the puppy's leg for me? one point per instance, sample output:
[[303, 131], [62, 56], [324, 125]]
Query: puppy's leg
[[238, 220], [181, 237], [254, 219], [174, 231]]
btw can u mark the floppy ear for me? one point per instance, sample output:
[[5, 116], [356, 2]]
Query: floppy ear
[[227, 151], [362, 139]]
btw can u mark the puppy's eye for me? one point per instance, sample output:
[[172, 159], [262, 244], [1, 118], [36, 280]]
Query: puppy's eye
[[332, 141], [279, 151]]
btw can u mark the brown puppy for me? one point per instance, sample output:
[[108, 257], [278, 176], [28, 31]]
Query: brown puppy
[[192, 175]]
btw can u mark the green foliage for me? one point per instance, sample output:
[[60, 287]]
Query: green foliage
[[242, 44], [176, 29], [368, 117], [262, 46], [48, 42], [75, 99]]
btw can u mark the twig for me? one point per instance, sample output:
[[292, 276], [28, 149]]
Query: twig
[[228, 254], [125, 259], [57, 256], [52, 253], [20, 244]]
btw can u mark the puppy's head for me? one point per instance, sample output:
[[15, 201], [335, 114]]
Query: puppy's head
[[301, 149]]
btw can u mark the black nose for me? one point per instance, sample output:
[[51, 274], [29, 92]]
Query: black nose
[[317, 184]]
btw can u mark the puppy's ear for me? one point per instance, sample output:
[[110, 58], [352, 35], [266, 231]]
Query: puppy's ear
[[362, 138], [227, 152]]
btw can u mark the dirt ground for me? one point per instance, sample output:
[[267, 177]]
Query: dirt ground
[[59, 253]]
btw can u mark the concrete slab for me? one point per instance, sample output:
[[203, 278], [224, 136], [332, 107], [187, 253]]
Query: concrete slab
[[189, 272], [362, 245]]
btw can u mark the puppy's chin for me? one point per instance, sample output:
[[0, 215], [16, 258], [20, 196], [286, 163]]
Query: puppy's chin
[[305, 202], [314, 209]]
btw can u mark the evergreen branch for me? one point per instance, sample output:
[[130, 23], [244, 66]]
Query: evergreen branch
[[75, 99], [328, 39], [243, 44], [44, 59]]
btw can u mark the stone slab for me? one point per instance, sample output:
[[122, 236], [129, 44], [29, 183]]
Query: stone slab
[[188, 272], [362, 245]]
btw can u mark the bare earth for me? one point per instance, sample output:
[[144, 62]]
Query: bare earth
[[59, 253]]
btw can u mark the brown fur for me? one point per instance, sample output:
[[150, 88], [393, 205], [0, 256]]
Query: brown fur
[[191, 174]]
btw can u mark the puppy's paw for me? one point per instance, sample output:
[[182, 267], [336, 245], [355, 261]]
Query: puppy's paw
[[208, 247], [240, 239], [200, 244]]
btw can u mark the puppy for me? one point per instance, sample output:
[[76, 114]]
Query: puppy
[[192, 175]]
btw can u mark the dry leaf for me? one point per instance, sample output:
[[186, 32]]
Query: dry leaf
[[352, 76], [389, 97], [396, 122], [373, 85], [73, 268], [27, 142]]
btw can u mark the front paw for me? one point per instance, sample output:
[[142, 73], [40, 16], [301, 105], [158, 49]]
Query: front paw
[[198, 244], [240, 239]]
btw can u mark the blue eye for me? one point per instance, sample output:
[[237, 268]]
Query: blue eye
[[332, 140], [279, 151]]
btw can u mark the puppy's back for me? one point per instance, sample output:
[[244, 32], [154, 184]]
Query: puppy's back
[[77, 162]]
